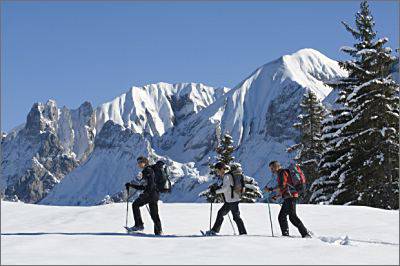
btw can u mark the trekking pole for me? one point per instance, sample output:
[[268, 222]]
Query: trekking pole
[[233, 228], [127, 207], [147, 207], [270, 219], [210, 214]]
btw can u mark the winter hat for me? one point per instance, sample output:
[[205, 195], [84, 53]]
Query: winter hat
[[221, 165]]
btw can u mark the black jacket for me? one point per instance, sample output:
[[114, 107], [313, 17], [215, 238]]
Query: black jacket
[[149, 176]]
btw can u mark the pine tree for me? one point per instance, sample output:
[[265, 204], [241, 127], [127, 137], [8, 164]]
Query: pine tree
[[224, 151], [367, 172], [224, 154], [333, 166], [311, 145]]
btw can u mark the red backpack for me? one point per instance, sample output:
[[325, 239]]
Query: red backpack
[[297, 177]]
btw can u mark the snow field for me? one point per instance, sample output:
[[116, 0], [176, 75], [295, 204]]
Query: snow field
[[37, 234]]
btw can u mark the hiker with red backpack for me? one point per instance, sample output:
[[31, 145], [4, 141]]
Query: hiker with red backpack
[[290, 183]]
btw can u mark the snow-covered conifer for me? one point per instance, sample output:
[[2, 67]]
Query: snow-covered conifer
[[309, 149], [366, 173]]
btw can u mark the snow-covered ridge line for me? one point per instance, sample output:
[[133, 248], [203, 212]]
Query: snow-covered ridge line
[[157, 107], [178, 122]]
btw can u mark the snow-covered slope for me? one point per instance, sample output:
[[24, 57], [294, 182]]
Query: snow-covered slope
[[112, 164], [34, 234], [156, 108], [266, 102]]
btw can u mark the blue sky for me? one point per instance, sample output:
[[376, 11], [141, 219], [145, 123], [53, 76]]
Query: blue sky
[[87, 50]]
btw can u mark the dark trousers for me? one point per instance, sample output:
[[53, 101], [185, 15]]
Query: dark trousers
[[225, 209], [289, 208], [142, 200]]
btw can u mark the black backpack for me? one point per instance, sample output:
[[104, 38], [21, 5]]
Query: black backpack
[[162, 181]]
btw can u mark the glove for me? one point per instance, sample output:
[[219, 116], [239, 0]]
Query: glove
[[213, 188], [138, 187], [127, 186], [268, 189]]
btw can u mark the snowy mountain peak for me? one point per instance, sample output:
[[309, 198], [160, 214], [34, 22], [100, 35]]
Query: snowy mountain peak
[[311, 69], [259, 113], [155, 108], [307, 52], [41, 117], [267, 102]]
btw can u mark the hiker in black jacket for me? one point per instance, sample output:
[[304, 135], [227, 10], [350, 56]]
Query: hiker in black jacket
[[149, 196]]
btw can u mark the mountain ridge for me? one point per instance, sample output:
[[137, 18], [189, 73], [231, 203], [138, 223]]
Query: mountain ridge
[[177, 122]]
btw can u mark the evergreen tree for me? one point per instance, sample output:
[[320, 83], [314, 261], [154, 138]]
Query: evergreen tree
[[225, 150], [333, 166], [311, 145], [367, 173], [224, 154]]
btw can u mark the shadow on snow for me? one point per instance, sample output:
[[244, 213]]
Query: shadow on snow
[[329, 240], [99, 234]]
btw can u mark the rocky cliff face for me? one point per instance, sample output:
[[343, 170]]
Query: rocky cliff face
[[77, 130], [50, 145]]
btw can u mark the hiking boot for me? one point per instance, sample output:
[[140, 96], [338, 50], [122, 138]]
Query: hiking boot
[[158, 233], [136, 228], [286, 233], [211, 233]]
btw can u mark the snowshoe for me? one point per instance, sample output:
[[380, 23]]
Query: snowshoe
[[208, 233], [285, 234], [134, 229], [308, 235]]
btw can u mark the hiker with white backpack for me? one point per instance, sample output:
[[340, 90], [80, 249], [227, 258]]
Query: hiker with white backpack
[[290, 183], [231, 190]]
